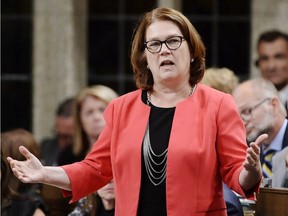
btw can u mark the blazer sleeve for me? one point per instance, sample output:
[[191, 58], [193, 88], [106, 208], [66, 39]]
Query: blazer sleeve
[[231, 145]]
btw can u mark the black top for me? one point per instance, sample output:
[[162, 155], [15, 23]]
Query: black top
[[25, 206], [101, 211], [152, 200]]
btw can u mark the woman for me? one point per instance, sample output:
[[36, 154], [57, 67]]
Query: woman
[[101, 203], [192, 135], [89, 106], [222, 79], [18, 198]]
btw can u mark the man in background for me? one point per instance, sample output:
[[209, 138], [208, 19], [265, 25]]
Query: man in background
[[51, 149], [272, 48], [64, 130], [262, 112]]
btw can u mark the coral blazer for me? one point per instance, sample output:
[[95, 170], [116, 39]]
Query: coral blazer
[[207, 145]]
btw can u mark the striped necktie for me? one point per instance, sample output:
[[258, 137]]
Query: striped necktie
[[267, 164]]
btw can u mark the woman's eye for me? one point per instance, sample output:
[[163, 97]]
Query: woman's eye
[[154, 43]]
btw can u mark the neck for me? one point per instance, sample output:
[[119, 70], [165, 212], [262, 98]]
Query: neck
[[168, 97], [108, 204], [274, 130], [281, 86]]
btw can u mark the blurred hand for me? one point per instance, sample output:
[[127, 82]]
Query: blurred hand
[[28, 171], [253, 153]]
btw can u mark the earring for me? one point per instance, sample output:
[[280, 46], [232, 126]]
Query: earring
[[192, 60], [148, 67]]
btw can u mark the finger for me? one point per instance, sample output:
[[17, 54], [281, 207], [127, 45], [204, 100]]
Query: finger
[[251, 160], [251, 164], [259, 141], [24, 179], [252, 154], [9, 159], [16, 172], [11, 162], [24, 151], [255, 148]]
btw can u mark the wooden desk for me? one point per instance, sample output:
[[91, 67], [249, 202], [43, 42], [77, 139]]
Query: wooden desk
[[272, 201]]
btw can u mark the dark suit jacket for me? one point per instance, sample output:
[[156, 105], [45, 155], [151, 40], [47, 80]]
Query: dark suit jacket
[[53, 156], [49, 151], [284, 144]]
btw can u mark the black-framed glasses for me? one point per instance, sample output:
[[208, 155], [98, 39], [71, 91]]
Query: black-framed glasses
[[247, 113], [172, 43]]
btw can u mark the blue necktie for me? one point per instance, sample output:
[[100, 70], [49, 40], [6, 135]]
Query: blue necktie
[[267, 165]]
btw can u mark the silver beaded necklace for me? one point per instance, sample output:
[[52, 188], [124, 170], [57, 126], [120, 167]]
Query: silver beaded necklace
[[156, 171]]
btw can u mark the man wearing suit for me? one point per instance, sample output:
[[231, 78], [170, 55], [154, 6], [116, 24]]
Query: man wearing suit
[[272, 49], [280, 169], [64, 132], [262, 112]]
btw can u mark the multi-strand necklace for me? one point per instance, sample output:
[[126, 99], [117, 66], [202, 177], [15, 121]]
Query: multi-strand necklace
[[156, 171], [155, 164]]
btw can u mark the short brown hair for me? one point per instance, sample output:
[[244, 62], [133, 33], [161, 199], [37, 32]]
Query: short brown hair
[[270, 36], [142, 75]]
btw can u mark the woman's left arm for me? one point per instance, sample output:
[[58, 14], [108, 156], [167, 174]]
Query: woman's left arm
[[251, 173]]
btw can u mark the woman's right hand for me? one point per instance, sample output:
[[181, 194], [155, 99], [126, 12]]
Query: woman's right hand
[[28, 171]]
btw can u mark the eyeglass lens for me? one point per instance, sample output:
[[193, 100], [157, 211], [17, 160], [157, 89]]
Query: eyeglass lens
[[172, 43]]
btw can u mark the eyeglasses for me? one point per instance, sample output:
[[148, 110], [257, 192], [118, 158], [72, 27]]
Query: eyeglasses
[[247, 113], [172, 43]]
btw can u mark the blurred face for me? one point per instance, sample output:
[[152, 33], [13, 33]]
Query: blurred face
[[64, 130], [107, 192], [256, 113], [273, 62], [167, 65], [91, 115]]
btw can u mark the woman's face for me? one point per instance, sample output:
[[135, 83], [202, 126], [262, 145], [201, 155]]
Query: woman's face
[[91, 115], [107, 192], [167, 65]]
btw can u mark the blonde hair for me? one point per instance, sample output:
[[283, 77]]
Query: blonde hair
[[222, 79], [104, 93]]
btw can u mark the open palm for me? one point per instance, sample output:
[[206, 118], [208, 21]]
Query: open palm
[[28, 171]]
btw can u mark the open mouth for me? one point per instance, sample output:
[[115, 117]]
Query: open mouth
[[166, 62]]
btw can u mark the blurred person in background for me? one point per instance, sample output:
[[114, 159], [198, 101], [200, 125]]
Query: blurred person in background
[[85, 114], [280, 169], [64, 133], [90, 104], [53, 153], [18, 198], [88, 119], [222, 79], [262, 112], [101, 203], [272, 48]]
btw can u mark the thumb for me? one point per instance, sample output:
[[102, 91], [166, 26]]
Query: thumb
[[24, 151], [259, 141]]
